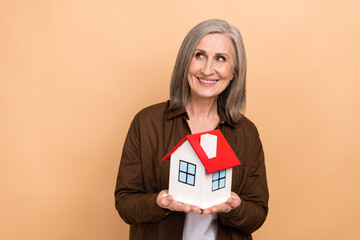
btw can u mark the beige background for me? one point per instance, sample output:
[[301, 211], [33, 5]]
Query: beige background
[[73, 73]]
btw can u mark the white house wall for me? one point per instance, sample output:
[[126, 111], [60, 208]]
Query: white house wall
[[219, 196], [183, 192]]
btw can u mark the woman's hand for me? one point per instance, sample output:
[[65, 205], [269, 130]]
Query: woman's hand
[[233, 201], [164, 200]]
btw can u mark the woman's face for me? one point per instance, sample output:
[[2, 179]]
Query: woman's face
[[212, 66]]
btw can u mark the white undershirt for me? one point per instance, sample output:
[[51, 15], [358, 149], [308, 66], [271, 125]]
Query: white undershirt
[[199, 227]]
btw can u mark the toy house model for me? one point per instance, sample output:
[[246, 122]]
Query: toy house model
[[201, 169]]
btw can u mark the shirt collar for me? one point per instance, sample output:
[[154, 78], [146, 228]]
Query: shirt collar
[[172, 113], [223, 118]]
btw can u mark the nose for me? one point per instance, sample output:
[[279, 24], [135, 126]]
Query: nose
[[208, 68]]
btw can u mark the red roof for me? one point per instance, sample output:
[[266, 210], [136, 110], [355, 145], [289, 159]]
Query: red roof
[[225, 157]]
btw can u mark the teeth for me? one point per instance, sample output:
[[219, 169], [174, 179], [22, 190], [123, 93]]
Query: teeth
[[206, 81]]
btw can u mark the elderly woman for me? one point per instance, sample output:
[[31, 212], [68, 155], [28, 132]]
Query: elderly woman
[[207, 92]]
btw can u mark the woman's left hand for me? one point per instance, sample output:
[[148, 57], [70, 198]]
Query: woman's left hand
[[164, 200], [233, 201]]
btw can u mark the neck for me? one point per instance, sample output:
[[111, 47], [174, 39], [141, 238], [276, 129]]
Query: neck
[[201, 108]]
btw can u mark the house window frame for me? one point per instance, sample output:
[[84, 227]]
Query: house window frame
[[218, 180], [188, 173]]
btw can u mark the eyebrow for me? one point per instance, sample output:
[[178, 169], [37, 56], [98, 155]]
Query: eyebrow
[[216, 54]]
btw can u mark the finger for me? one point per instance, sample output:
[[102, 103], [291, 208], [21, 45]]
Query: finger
[[160, 198], [211, 210], [166, 200], [215, 209], [218, 208], [196, 209], [206, 211], [186, 208], [179, 207], [233, 201]]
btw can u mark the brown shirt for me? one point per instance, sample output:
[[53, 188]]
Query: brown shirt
[[142, 175]]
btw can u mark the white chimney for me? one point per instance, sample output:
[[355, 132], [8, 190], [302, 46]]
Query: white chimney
[[208, 142]]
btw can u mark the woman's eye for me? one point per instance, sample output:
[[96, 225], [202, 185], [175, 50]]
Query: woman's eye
[[199, 55], [221, 58]]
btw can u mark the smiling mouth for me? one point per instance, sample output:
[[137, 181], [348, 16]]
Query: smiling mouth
[[207, 81]]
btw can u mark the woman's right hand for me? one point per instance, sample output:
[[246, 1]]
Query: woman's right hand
[[164, 200]]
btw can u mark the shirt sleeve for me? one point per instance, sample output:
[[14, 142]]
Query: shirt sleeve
[[132, 202], [254, 195]]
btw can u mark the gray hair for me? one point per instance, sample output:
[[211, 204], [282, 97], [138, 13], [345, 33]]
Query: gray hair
[[232, 100]]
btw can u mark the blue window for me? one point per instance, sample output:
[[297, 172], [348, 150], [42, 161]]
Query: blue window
[[187, 173], [218, 180]]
